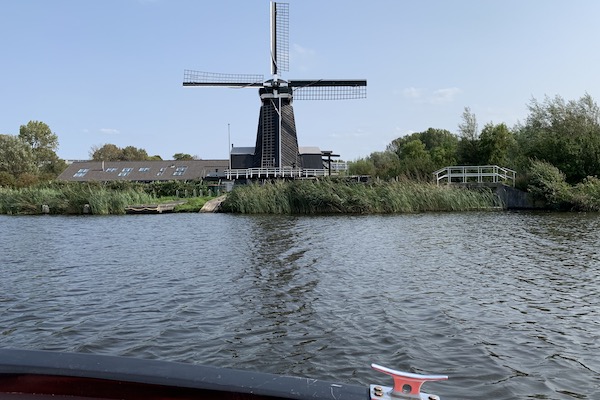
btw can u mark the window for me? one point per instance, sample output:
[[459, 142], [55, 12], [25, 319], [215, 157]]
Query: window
[[179, 171], [125, 171], [143, 169], [111, 169], [81, 173], [161, 171]]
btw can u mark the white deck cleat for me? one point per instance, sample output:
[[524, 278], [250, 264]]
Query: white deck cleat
[[406, 385]]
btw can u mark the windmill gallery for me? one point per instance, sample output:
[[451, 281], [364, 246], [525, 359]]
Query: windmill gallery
[[276, 152]]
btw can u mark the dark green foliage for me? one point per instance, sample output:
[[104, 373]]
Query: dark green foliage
[[547, 184], [30, 157], [586, 195], [111, 152], [564, 134], [182, 156], [497, 145], [362, 166], [421, 153], [42, 141]]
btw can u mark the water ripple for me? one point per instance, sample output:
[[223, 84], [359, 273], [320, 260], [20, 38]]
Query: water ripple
[[507, 304]]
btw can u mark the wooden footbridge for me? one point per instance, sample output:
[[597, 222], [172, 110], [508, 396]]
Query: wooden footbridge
[[475, 174]]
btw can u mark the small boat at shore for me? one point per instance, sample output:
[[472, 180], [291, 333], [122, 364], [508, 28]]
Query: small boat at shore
[[33, 374]]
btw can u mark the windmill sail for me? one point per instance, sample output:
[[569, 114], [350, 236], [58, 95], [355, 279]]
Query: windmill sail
[[200, 78], [280, 37], [322, 89]]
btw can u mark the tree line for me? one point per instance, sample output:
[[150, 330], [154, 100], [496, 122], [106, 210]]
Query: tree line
[[111, 152], [561, 134], [30, 157]]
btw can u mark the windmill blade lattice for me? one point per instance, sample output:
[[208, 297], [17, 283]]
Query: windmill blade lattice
[[200, 78], [329, 89], [280, 37]]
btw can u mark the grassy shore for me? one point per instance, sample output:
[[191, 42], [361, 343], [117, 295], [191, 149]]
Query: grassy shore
[[322, 196], [327, 196], [70, 199]]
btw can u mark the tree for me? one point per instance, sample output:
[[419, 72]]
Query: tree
[[16, 156], [421, 153], [386, 163], [564, 134], [182, 156], [108, 152], [468, 128], [111, 152], [361, 166], [42, 140], [497, 145], [131, 153], [43, 143], [415, 162], [468, 147]]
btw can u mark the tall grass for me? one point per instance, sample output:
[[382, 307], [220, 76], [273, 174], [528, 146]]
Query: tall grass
[[70, 199], [328, 196]]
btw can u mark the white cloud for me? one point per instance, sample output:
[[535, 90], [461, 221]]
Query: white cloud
[[302, 58], [446, 95], [109, 131], [439, 96], [413, 93], [353, 134]]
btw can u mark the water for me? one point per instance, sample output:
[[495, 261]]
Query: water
[[506, 304]]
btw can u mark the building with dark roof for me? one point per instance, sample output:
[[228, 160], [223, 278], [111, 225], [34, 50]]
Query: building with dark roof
[[143, 171]]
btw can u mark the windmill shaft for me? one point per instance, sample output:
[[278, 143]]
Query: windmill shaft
[[273, 38], [279, 37], [327, 82], [224, 84]]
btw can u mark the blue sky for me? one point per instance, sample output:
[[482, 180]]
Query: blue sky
[[111, 71]]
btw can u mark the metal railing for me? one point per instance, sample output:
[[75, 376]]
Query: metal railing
[[276, 172], [476, 174]]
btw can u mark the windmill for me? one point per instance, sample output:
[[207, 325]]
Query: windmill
[[276, 138]]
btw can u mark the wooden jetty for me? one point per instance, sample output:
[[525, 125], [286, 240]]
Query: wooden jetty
[[153, 208]]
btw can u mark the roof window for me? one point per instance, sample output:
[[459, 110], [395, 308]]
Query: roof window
[[81, 173]]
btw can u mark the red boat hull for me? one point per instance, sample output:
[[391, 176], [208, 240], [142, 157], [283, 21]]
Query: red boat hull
[[40, 374]]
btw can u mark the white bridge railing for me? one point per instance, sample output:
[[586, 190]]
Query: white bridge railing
[[275, 172], [475, 173]]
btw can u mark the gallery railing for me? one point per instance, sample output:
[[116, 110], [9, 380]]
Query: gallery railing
[[274, 173]]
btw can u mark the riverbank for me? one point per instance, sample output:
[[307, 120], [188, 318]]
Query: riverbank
[[97, 199], [322, 196]]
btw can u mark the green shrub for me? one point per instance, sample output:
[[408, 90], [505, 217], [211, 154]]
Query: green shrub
[[548, 184], [586, 195]]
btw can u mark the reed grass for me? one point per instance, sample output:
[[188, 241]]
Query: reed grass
[[70, 199], [326, 196]]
